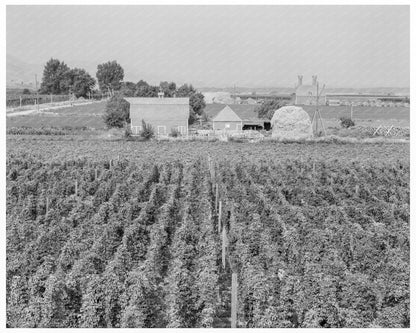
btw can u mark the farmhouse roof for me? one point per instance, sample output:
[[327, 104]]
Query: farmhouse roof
[[226, 114], [246, 112], [156, 100]]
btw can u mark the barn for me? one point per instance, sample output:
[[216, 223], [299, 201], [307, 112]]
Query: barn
[[164, 114], [235, 117]]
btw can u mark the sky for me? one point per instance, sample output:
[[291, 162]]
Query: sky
[[221, 46]]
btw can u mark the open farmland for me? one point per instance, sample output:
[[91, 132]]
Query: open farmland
[[364, 115], [89, 115], [128, 234]]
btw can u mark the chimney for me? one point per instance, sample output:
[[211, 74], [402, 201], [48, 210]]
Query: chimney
[[314, 79], [300, 78]]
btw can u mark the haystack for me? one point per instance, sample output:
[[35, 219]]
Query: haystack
[[291, 122]]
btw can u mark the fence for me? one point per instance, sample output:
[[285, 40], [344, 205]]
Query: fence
[[15, 101]]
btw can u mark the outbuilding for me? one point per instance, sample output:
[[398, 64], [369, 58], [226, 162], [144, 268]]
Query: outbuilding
[[235, 117], [163, 114]]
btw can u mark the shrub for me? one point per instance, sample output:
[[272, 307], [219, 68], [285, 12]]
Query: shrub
[[147, 132], [116, 112], [174, 133], [347, 122], [127, 132]]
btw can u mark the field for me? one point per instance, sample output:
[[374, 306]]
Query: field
[[148, 234], [90, 116]]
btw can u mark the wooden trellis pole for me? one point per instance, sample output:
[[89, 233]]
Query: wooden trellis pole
[[47, 204], [234, 300], [224, 246], [216, 197], [76, 187], [96, 174], [219, 216]]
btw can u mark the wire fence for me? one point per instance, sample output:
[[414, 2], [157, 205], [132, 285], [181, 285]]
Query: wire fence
[[16, 101]]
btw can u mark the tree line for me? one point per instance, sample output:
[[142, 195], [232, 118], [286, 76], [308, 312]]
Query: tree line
[[59, 78]]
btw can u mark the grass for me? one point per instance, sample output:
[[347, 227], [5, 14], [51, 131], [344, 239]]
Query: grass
[[89, 115]]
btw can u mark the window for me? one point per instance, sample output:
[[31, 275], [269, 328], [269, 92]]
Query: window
[[161, 130], [182, 129], [135, 129], [227, 126]]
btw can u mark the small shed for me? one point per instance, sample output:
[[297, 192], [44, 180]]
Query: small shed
[[244, 114], [164, 114], [227, 119]]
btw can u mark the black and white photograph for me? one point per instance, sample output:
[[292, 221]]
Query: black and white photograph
[[186, 165]]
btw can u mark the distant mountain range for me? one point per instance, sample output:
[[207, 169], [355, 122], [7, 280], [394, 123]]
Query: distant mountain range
[[20, 74]]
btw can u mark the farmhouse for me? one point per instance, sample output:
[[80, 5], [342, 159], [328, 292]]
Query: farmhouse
[[306, 93], [235, 117], [164, 114]]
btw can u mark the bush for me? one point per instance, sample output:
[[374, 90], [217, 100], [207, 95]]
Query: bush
[[116, 112], [127, 132], [174, 133], [147, 131], [347, 122]]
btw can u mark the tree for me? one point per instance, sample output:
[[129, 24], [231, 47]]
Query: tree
[[109, 76], [128, 89], [116, 112], [26, 91], [81, 83], [168, 88], [196, 106], [143, 89], [185, 90], [266, 110], [56, 78]]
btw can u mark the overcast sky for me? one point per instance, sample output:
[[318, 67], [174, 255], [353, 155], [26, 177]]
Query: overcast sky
[[257, 46]]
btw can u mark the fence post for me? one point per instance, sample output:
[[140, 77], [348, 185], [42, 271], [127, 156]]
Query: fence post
[[76, 187], [20, 98], [96, 174], [47, 204], [51, 98], [234, 300]]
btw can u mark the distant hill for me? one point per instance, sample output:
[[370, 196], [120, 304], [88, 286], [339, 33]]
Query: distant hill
[[20, 74]]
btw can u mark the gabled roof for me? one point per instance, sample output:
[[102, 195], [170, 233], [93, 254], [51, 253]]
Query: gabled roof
[[226, 114], [156, 100], [246, 112]]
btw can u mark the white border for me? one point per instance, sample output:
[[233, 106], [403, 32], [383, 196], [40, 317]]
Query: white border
[[195, 2]]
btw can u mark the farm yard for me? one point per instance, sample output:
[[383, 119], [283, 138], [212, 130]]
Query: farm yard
[[151, 234], [90, 115]]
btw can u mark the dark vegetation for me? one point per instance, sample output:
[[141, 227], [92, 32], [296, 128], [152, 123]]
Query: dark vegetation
[[346, 122], [107, 241]]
